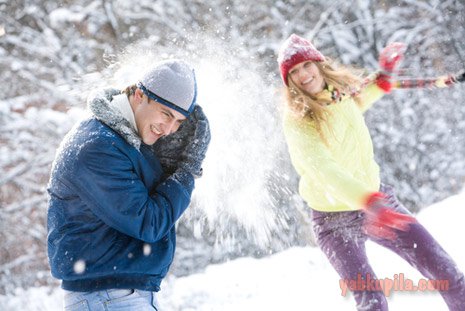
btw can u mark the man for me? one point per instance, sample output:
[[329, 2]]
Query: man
[[112, 209]]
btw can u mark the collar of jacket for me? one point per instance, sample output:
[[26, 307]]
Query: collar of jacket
[[100, 106]]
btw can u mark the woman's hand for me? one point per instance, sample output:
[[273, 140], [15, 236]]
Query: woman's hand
[[381, 221], [389, 60], [391, 56]]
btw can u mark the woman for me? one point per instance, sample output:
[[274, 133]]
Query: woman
[[331, 149]]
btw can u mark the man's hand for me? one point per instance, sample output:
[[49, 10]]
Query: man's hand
[[382, 222], [197, 145], [186, 148]]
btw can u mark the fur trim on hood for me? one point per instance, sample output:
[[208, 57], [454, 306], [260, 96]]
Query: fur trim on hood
[[100, 106]]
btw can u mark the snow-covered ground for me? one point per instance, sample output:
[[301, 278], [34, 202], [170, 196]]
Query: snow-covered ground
[[295, 279]]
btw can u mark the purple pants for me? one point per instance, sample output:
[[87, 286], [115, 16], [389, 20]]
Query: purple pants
[[341, 237]]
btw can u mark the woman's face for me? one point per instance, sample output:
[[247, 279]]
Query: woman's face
[[307, 77]]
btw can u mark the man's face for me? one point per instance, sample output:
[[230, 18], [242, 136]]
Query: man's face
[[153, 119]]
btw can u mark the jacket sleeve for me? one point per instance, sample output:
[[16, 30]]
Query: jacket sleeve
[[316, 165], [108, 184], [369, 95]]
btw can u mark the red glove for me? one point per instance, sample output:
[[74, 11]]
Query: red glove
[[382, 222], [383, 81], [391, 56], [389, 59]]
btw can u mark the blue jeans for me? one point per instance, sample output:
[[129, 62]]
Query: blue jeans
[[110, 300]]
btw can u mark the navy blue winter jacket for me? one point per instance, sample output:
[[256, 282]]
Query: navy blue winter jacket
[[111, 218]]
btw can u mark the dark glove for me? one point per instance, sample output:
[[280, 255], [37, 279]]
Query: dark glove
[[381, 221], [389, 59], [169, 148], [461, 76], [186, 148]]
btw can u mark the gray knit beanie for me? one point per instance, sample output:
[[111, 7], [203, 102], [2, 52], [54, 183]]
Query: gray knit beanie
[[171, 83]]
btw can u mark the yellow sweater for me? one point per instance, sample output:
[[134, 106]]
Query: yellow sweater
[[338, 175]]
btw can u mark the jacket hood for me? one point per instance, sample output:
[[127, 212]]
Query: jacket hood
[[100, 106]]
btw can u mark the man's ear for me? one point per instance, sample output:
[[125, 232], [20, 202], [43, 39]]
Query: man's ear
[[138, 95]]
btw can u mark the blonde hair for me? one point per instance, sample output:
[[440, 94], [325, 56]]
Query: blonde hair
[[307, 106]]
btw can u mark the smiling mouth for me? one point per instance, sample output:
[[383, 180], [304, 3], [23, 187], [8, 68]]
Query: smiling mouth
[[308, 81], [155, 130]]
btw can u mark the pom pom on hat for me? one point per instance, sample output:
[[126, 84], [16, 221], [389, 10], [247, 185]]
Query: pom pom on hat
[[294, 51], [171, 83]]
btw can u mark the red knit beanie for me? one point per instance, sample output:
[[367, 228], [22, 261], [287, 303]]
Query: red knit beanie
[[294, 51]]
